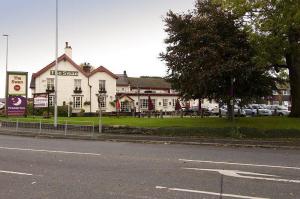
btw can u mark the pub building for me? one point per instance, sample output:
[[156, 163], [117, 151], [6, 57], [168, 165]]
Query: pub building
[[80, 85]]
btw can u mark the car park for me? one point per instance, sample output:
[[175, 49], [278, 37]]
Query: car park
[[257, 109], [279, 110]]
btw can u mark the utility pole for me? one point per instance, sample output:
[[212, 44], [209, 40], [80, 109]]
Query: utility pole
[[6, 68], [56, 66]]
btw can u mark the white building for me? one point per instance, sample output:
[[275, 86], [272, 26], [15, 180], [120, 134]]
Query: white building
[[132, 90], [76, 84], [80, 85]]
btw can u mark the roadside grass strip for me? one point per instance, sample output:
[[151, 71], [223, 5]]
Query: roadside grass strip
[[208, 193]]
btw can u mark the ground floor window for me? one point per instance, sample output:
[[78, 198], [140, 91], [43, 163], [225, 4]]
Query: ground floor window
[[165, 102], [103, 102], [125, 106], [144, 103], [77, 102]]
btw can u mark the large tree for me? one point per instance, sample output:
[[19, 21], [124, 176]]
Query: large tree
[[206, 51], [274, 29]]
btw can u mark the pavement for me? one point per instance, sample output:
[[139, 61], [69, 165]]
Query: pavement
[[62, 168], [138, 138]]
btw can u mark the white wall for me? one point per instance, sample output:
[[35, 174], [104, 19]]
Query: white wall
[[66, 87], [110, 84]]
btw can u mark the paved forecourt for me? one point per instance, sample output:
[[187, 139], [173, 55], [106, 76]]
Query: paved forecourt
[[42, 168]]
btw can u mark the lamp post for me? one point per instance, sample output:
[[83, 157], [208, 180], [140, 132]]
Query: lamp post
[[232, 81], [56, 66], [101, 97], [6, 67]]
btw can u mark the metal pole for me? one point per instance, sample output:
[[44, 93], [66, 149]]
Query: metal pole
[[6, 68], [139, 101], [221, 187], [40, 127], [100, 119], [56, 66], [66, 126]]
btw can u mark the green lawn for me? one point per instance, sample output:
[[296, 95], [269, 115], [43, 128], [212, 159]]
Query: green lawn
[[255, 122]]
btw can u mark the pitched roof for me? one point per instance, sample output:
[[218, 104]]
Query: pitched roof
[[64, 57], [122, 80], [102, 69], [149, 82]]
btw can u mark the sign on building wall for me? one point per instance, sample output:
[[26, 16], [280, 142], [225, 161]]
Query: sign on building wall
[[16, 106], [64, 73], [40, 100], [17, 83]]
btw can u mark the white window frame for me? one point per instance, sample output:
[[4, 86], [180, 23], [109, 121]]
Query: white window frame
[[165, 102], [102, 85], [77, 83], [50, 83], [77, 102]]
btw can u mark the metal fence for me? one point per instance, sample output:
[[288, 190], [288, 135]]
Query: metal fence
[[45, 127]]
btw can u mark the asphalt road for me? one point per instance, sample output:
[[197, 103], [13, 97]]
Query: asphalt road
[[48, 168]]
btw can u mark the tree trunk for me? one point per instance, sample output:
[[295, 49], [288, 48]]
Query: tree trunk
[[293, 62]]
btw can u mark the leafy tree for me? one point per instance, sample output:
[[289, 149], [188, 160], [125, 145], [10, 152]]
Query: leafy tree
[[206, 51], [274, 29]]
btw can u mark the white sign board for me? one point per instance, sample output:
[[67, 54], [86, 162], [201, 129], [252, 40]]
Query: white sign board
[[41, 101], [17, 84]]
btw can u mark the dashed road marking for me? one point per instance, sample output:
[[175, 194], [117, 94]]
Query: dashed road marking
[[241, 164], [15, 173], [50, 151], [209, 193]]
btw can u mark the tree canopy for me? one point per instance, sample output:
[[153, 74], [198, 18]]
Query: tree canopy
[[206, 50], [273, 27]]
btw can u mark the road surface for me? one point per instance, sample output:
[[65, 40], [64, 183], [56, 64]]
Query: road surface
[[64, 169]]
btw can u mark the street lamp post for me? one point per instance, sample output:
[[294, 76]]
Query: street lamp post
[[56, 66], [6, 68], [101, 96]]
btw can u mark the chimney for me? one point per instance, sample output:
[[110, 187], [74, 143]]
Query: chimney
[[125, 73], [68, 50], [86, 67]]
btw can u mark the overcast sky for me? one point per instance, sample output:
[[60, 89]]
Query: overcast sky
[[118, 34]]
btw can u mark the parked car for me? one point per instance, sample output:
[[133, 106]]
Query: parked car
[[237, 111], [254, 109], [279, 110]]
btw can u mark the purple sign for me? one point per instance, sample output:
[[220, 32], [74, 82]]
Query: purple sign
[[16, 106]]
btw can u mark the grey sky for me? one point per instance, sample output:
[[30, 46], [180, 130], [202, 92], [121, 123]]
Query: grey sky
[[120, 35]]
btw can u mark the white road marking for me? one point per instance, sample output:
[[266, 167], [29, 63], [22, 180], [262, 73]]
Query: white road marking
[[16, 173], [241, 164], [209, 193], [236, 174], [50, 151]]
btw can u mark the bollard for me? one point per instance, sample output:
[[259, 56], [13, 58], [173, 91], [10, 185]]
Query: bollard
[[17, 125], [221, 186], [66, 126], [40, 127]]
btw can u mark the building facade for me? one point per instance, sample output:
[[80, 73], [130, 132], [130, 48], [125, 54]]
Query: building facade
[[78, 85]]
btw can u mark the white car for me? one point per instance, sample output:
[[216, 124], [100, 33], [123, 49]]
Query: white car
[[279, 110], [237, 111], [254, 109]]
